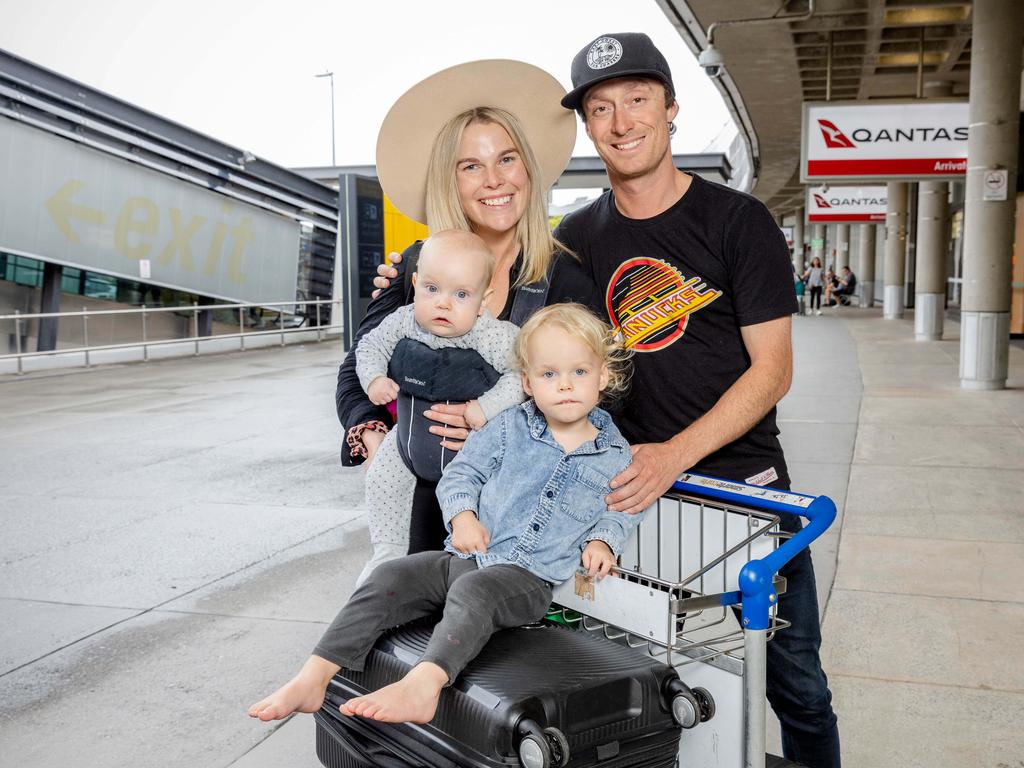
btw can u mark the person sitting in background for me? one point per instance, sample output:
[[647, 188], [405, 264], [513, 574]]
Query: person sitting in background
[[842, 288]]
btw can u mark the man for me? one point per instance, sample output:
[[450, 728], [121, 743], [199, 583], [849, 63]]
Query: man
[[697, 279], [843, 289]]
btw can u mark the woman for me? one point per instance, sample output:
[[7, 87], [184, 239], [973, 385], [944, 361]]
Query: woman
[[815, 281], [445, 159]]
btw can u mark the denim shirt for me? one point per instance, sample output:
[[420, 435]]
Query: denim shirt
[[539, 504]]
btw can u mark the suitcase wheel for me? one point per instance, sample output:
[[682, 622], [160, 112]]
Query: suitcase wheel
[[534, 752], [559, 747], [546, 748]]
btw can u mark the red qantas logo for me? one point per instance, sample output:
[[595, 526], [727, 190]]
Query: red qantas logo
[[834, 138], [821, 201]]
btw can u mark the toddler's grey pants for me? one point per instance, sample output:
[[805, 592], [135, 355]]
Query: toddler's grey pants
[[477, 603]]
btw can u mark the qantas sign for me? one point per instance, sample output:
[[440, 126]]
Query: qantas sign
[[846, 204], [884, 140], [836, 139]]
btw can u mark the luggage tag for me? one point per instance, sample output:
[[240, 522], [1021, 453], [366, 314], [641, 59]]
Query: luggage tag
[[584, 586]]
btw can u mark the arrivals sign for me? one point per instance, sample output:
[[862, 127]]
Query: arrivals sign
[[846, 204], [884, 141]]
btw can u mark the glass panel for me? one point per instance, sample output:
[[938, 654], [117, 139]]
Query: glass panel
[[100, 287], [71, 281], [28, 271]]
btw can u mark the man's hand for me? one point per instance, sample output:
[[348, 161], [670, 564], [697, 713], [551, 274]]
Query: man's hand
[[469, 535], [386, 273], [451, 424], [655, 467], [382, 390], [598, 559], [474, 416]]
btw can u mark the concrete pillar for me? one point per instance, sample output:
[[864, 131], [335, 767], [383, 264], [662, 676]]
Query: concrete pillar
[[866, 265], [910, 257], [957, 190], [842, 246], [798, 241], [205, 322], [930, 273], [49, 302], [880, 237], [818, 243], [895, 250], [992, 139]]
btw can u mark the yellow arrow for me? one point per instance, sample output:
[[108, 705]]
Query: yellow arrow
[[63, 210]]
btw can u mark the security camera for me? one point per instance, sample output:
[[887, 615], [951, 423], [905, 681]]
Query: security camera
[[711, 62]]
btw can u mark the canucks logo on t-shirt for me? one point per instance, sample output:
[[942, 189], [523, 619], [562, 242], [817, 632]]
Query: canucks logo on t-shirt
[[650, 302]]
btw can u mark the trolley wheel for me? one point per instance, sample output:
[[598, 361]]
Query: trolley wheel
[[559, 747], [707, 704], [534, 752]]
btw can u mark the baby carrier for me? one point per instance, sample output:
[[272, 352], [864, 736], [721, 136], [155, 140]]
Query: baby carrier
[[426, 376]]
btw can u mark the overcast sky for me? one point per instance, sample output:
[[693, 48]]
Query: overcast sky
[[243, 72]]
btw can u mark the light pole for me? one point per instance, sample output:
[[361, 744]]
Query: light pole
[[331, 75]]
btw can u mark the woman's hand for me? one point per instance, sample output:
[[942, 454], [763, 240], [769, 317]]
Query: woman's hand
[[451, 424], [371, 442], [386, 273], [469, 535]]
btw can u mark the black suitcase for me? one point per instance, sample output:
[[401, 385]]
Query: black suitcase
[[540, 697]]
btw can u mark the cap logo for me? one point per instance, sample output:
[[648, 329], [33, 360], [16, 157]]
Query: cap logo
[[604, 52]]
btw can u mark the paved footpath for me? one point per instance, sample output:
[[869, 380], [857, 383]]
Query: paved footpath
[[177, 534], [923, 628]]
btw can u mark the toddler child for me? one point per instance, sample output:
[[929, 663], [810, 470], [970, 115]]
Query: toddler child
[[444, 347], [524, 502]]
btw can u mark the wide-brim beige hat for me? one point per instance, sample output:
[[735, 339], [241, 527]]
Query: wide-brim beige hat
[[408, 132]]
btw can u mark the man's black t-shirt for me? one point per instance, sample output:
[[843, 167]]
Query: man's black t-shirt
[[679, 286]]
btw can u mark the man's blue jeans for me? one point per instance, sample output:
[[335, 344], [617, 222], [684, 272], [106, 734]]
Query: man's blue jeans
[[797, 687]]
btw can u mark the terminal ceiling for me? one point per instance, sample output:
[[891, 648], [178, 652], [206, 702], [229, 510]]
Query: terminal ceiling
[[772, 68]]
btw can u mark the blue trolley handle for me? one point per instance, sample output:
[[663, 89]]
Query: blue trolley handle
[[756, 592]]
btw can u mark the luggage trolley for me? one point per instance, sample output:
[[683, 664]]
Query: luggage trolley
[[707, 546]]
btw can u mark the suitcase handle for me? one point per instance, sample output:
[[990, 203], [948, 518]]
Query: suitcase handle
[[355, 748]]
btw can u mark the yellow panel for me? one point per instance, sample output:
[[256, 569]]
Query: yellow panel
[[400, 231]]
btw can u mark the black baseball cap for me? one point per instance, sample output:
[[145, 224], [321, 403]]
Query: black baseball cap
[[619, 54]]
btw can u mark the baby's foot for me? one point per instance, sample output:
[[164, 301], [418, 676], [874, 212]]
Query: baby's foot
[[303, 693], [413, 699]]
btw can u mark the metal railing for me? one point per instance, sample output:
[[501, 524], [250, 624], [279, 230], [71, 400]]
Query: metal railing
[[290, 320]]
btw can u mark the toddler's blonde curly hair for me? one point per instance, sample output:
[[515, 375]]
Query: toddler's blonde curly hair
[[580, 322]]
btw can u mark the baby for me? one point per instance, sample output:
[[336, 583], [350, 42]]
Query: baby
[[444, 347], [524, 502]]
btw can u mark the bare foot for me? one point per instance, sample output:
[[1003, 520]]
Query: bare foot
[[413, 699], [303, 693]]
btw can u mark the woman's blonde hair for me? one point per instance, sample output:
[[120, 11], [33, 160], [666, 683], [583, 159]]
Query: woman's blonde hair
[[580, 322], [444, 210]]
